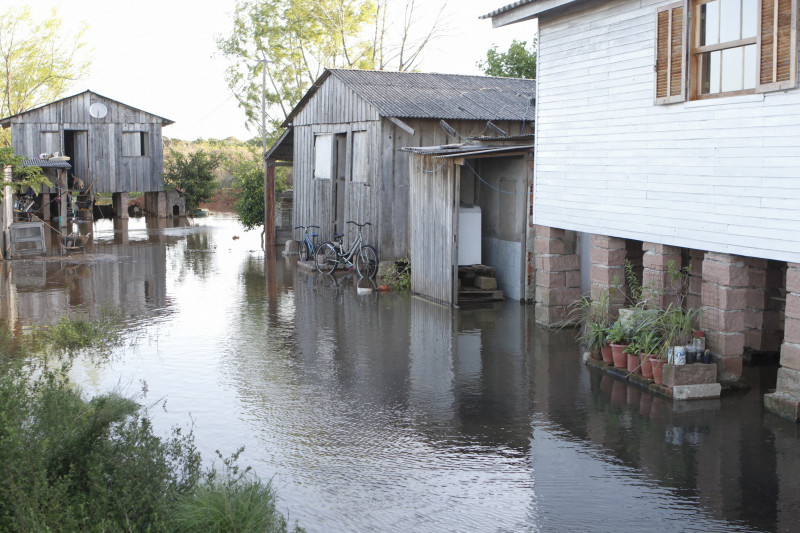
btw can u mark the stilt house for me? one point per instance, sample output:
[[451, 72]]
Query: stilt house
[[112, 147], [348, 129], [667, 133]]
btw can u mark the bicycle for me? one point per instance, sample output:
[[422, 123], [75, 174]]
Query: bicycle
[[306, 247], [330, 255]]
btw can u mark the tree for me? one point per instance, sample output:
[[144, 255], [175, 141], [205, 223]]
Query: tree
[[249, 179], [518, 62], [295, 40], [23, 177], [192, 174], [38, 59]]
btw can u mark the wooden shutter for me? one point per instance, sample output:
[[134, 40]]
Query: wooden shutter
[[670, 53], [777, 45]]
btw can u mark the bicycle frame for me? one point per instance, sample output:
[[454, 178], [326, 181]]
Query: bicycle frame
[[347, 257]]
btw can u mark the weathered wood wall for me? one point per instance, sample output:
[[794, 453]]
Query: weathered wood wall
[[721, 174], [434, 205], [382, 198], [105, 165]]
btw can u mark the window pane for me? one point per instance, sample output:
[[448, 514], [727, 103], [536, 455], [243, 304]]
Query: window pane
[[732, 64], [323, 147], [749, 18], [709, 26], [712, 83], [730, 20], [749, 67]]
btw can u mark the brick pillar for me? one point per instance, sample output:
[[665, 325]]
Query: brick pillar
[[772, 328], [608, 269], [558, 276], [693, 297], [785, 401], [120, 202], [725, 284], [656, 282]]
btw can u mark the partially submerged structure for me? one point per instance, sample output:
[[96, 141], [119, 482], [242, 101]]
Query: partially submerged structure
[[112, 148], [344, 140], [666, 132]]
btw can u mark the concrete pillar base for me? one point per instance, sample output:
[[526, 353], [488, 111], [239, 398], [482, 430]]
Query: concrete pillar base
[[119, 201], [784, 405]]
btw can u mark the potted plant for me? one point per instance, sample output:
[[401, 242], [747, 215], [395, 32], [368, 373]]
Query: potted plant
[[648, 343], [633, 361], [677, 325], [596, 318], [618, 339]]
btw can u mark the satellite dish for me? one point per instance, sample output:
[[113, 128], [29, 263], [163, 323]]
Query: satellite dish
[[98, 110]]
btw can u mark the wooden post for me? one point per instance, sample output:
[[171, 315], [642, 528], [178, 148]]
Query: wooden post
[[269, 205]]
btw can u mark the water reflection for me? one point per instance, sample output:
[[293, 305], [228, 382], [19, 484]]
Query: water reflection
[[389, 413]]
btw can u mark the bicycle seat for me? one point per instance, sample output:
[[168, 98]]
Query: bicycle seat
[[313, 234], [337, 235]]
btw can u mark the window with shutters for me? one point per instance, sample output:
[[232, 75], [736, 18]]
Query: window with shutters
[[734, 47]]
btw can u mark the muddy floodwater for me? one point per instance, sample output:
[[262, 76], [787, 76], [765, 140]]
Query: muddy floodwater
[[388, 413]]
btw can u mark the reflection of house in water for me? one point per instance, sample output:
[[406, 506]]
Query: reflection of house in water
[[41, 292], [436, 366]]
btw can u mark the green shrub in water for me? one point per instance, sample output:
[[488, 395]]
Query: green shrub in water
[[397, 276], [234, 500]]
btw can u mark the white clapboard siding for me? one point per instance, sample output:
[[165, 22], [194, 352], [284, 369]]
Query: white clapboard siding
[[720, 175]]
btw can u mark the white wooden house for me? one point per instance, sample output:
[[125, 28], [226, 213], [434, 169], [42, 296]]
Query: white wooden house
[[672, 130]]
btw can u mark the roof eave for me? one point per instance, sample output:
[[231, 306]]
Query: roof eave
[[519, 13]]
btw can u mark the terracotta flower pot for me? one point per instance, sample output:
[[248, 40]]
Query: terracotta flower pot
[[647, 367], [658, 370], [605, 352], [617, 353], [633, 364]]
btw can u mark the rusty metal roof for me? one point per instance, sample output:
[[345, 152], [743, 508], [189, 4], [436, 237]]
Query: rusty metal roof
[[437, 96], [509, 7]]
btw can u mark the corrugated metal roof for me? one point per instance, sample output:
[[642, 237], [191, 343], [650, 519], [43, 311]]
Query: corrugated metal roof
[[46, 163], [465, 150], [509, 7], [431, 95]]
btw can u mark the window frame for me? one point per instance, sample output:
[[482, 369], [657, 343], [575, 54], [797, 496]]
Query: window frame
[[695, 64], [690, 67]]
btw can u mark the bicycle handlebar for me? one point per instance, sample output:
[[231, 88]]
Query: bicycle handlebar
[[357, 224], [304, 227]]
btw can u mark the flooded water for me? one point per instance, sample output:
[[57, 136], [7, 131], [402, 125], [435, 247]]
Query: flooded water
[[388, 413]]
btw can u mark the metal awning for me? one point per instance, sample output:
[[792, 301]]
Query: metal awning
[[46, 163], [464, 150]]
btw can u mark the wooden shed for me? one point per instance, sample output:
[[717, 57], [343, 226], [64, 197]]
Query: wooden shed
[[348, 129], [471, 230], [113, 147]]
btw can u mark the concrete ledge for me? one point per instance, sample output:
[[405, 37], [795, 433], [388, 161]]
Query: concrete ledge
[[696, 392], [784, 405], [694, 374]]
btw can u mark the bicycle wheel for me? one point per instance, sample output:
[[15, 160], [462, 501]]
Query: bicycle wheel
[[305, 253], [326, 258], [367, 261]]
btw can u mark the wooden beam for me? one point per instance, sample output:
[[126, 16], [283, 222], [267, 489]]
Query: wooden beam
[[269, 208], [402, 125], [279, 164]]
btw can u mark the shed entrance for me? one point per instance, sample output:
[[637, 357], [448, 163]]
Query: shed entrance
[[469, 222]]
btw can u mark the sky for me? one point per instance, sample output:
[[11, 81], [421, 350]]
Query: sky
[[161, 55]]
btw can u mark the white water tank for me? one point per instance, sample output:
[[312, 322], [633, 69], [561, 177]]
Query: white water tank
[[469, 235]]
